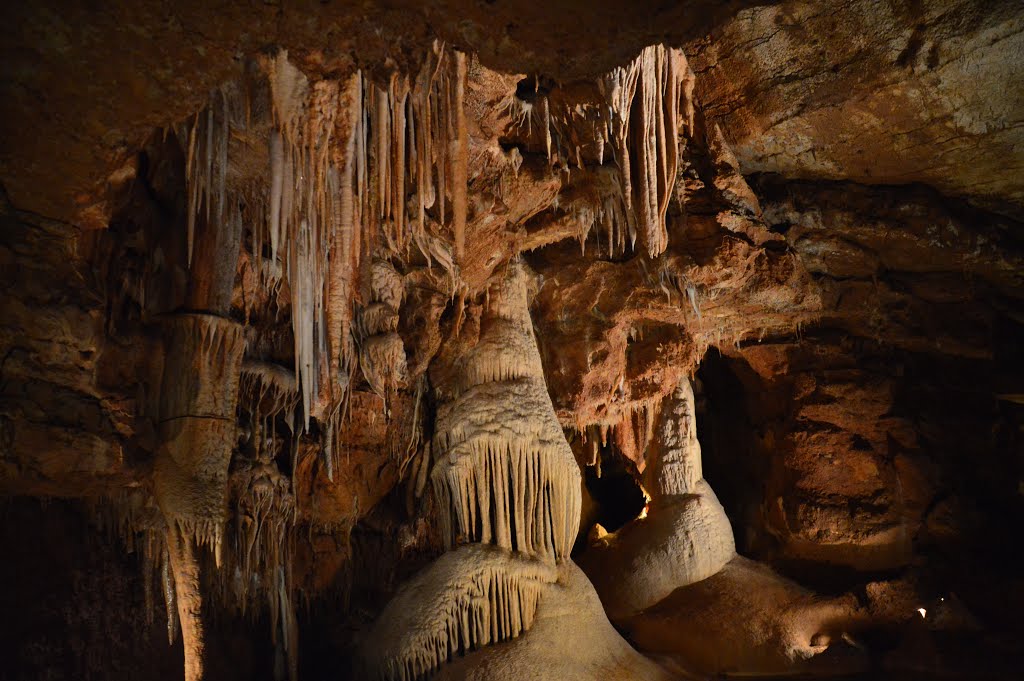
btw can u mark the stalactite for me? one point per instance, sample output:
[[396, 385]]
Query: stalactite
[[460, 160], [276, 148], [302, 281], [634, 430], [470, 597], [193, 182], [643, 129], [288, 90], [343, 257]]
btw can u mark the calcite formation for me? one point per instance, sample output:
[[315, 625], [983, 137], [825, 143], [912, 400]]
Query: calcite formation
[[571, 638], [504, 472], [509, 493], [351, 327], [470, 597], [746, 620]]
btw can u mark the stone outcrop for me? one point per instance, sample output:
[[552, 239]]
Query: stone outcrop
[[899, 94]]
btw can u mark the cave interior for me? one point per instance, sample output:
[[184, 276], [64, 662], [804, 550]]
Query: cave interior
[[511, 340]]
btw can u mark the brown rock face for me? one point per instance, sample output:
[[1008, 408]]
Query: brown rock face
[[878, 95], [253, 262]]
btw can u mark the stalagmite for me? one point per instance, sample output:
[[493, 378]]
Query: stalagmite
[[673, 578], [674, 463], [506, 479], [686, 536], [505, 472], [470, 597]]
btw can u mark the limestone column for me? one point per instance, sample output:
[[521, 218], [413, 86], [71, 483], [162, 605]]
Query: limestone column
[[203, 351]]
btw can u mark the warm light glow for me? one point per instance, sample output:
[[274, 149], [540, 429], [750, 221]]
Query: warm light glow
[[922, 612], [647, 504]]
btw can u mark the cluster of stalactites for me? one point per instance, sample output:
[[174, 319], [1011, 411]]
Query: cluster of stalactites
[[520, 498], [206, 163], [398, 140], [310, 223], [266, 391], [470, 597], [353, 165], [259, 568], [505, 474], [645, 106], [631, 429], [644, 99], [616, 229]]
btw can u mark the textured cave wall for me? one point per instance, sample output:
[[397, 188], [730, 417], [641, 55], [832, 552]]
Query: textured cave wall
[[879, 449], [844, 465], [897, 388], [875, 93]]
